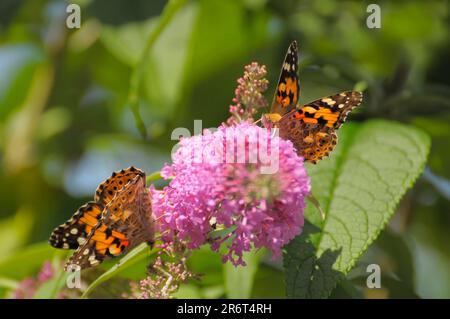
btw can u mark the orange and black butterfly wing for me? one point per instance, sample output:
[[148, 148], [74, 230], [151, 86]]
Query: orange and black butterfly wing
[[106, 191], [131, 213], [288, 88], [122, 226], [312, 127], [330, 111], [102, 242], [74, 232]]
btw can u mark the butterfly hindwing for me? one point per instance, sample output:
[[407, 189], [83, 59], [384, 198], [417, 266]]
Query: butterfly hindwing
[[330, 111], [74, 232], [312, 142], [312, 127], [288, 88], [131, 213]]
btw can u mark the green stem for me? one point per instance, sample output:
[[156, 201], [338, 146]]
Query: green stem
[[169, 12], [8, 283], [316, 203], [153, 177], [136, 255]]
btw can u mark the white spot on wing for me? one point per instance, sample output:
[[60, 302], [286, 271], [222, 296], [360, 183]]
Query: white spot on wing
[[329, 101]]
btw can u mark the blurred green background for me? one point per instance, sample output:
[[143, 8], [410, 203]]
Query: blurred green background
[[66, 121]]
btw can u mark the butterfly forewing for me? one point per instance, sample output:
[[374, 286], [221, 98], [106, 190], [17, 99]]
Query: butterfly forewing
[[288, 88], [73, 233]]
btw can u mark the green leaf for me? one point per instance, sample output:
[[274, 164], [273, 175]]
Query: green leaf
[[237, 30], [155, 49], [136, 255], [28, 260], [153, 177], [239, 280], [212, 292], [187, 291], [359, 188], [269, 281], [172, 7], [14, 231], [8, 283], [127, 42], [208, 265], [19, 62], [51, 288]]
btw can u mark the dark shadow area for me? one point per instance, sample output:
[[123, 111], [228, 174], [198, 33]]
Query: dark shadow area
[[309, 276]]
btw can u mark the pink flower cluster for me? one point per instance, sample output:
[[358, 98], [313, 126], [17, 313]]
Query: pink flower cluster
[[28, 286], [213, 187], [162, 281], [249, 94]]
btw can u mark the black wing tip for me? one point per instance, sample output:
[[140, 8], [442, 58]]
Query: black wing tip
[[359, 96], [53, 242], [293, 49], [355, 95]]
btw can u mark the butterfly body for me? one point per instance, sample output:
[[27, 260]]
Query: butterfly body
[[119, 219], [310, 127]]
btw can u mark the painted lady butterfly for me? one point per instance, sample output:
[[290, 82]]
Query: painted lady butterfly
[[311, 127], [119, 219]]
